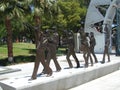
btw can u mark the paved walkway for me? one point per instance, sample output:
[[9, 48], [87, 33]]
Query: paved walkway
[[108, 82]]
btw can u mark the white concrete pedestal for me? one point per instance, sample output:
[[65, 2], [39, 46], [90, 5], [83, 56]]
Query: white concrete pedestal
[[63, 80]]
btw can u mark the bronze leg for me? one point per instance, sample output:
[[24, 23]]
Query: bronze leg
[[76, 59], [85, 58], [36, 66], [108, 55], [53, 56], [92, 52], [68, 59], [58, 68], [45, 64], [103, 60], [89, 55], [91, 60]]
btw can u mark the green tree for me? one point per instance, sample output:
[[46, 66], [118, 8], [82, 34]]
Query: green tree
[[72, 12], [2, 29], [10, 9]]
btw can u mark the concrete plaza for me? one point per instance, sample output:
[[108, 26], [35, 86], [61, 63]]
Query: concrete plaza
[[107, 82]]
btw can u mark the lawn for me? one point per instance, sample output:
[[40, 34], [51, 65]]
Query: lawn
[[19, 49], [23, 50]]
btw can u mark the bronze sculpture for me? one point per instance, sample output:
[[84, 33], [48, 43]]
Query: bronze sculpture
[[40, 55], [69, 40], [107, 44], [52, 45], [92, 45], [85, 47]]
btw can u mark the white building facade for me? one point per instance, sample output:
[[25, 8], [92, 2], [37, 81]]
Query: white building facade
[[94, 18]]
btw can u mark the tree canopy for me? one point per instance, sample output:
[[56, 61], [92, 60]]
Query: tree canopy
[[62, 14]]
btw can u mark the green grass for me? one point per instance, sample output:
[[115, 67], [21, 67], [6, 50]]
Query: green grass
[[22, 52], [19, 49], [3, 51], [23, 49]]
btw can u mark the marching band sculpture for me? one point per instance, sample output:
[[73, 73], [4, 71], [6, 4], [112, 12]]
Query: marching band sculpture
[[69, 41], [52, 45], [40, 55], [47, 45]]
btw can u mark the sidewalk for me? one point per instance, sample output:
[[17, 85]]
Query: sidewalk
[[108, 82]]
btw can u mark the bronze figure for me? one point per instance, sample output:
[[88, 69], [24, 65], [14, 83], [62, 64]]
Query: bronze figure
[[52, 45], [40, 55], [107, 44], [92, 46], [69, 40], [85, 48]]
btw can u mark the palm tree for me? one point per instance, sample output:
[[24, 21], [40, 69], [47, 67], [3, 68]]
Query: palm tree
[[41, 9], [11, 9]]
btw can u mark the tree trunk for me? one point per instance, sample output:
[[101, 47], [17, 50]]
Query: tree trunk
[[9, 39], [37, 29]]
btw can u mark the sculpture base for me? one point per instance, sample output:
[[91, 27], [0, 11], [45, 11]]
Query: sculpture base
[[63, 80]]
